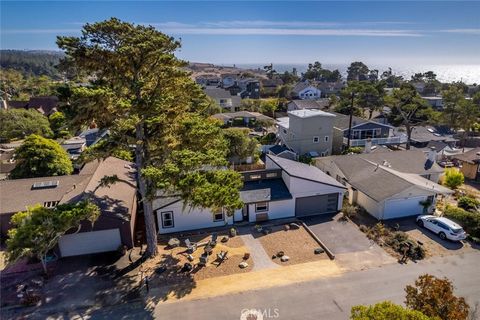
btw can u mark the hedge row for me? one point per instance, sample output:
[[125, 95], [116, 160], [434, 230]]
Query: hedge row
[[470, 221]]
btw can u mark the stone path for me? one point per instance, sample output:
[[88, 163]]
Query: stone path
[[261, 260]]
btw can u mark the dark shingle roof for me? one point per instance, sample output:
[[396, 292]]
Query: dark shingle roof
[[119, 199], [301, 86], [278, 149], [278, 190], [425, 134], [45, 105]]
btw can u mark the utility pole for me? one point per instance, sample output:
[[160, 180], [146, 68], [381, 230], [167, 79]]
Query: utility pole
[[350, 122]]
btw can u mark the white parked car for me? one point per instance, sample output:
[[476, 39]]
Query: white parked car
[[445, 228]]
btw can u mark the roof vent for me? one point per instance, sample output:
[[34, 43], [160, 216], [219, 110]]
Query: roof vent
[[45, 184]]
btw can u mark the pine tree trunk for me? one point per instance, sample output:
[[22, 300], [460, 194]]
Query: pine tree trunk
[[409, 134], [151, 232]]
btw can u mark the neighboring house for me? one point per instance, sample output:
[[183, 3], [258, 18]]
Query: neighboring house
[[282, 152], [207, 80], [229, 79], [93, 135], [74, 146], [306, 91], [423, 135], [381, 116], [362, 131], [270, 86], [117, 203], [46, 105], [389, 185], [470, 164], [242, 118], [320, 104], [436, 102], [330, 88], [250, 88], [223, 98], [284, 189], [307, 131], [419, 86], [7, 161]]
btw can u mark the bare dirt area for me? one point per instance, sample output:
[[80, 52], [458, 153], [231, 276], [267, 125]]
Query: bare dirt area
[[174, 259], [297, 244], [434, 246]]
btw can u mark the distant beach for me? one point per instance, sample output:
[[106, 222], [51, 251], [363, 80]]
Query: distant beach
[[470, 74]]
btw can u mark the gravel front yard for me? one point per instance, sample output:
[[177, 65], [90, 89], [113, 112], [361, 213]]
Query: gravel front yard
[[297, 244], [174, 259]]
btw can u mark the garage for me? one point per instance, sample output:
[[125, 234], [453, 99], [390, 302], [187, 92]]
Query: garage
[[398, 208], [308, 206], [89, 242]]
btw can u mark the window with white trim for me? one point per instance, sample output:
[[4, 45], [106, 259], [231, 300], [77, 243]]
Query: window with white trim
[[316, 139], [167, 219], [261, 206], [218, 217]]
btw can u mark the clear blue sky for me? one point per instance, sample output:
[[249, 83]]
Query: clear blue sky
[[388, 32]]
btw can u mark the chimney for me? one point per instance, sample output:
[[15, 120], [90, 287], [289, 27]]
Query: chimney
[[432, 154], [368, 145]]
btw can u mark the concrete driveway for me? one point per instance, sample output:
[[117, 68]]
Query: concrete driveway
[[349, 245]]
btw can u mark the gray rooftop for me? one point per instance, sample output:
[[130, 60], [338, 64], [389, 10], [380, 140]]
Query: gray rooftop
[[311, 104], [217, 93], [304, 171], [383, 175]]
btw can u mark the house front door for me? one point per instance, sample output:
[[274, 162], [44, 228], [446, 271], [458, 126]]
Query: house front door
[[245, 213]]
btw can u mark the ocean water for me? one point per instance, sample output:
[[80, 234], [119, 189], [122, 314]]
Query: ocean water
[[470, 74]]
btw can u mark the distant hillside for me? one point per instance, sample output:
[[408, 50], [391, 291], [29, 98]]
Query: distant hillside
[[35, 62]]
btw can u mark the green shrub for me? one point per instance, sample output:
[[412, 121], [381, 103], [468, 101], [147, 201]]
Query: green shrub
[[453, 178], [470, 221], [468, 203], [353, 150]]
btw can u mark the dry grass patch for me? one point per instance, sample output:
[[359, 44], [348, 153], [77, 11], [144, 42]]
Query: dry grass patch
[[297, 244]]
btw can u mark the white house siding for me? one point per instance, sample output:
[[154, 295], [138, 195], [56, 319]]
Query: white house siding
[[310, 93], [304, 188], [276, 210], [373, 207], [189, 219]]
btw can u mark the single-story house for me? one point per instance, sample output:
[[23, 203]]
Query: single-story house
[[470, 164], [247, 118], [224, 98], [114, 227], [388, 185], [284, 189], [330, 88], [46, 105], [422, 135], [320, 104]]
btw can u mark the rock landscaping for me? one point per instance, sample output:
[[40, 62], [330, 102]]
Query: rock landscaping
[[292, 243]]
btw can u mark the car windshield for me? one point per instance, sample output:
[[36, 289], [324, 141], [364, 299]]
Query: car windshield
[[457, 230]]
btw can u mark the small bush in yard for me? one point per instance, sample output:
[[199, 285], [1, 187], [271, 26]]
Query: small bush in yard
[[453, 178], [349, 211], [397, 240], [470, 221], [468, 203]]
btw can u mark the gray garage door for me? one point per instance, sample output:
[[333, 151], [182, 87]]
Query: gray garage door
[[307, 206]]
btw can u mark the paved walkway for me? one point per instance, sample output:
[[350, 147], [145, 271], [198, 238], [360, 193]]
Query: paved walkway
[[261, 260]]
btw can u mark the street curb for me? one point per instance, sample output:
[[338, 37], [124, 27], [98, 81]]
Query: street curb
[[314, 236]]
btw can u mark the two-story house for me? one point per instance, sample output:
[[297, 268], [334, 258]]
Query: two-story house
[[307, 131], [306, 91], [362, 131]]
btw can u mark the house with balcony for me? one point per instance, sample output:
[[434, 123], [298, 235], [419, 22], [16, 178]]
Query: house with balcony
[[362, 131], [307, 131]]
